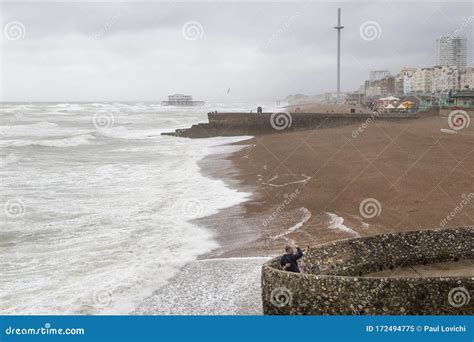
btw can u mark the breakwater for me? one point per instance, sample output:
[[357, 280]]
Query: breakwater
[[234, 124], [333, 280]]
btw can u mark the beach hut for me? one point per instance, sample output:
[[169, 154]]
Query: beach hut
[[408, 104], [401, 107], [390, 99], [464, 98]]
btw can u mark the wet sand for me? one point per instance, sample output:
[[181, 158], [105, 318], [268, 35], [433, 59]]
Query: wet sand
[[308, 186]]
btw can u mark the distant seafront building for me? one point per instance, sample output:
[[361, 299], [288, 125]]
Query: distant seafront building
[[181, 100], [407, 84], [422, 81], [467, 79], [377, 75], [445, 78], [380, 83], [450, 75], [451, 51], [404, 81], [387, 85]]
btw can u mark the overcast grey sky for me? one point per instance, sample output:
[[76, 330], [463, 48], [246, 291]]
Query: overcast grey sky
[[138, 51]]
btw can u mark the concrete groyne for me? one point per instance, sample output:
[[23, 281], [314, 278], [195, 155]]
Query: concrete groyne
[[333, 279], [234, 124]]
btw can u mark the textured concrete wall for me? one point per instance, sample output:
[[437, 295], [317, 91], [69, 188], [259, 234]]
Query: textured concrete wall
[[283, 121], [233, 124], [331, 281]]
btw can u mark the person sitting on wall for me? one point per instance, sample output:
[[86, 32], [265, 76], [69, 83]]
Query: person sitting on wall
[[289, 261]]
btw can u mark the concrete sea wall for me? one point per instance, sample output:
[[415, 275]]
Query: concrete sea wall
[[332, 282], [233, 124]]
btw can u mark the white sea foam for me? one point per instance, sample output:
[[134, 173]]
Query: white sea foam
[[272, 181], [106, 218], [42, 129], [337, 222], [306, 215], [66, 142], [122, 132], [228, 286], [8, 159]]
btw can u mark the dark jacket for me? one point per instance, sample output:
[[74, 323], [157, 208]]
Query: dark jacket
[[292, 260]]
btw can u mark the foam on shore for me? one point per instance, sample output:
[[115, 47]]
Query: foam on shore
[[337, 222], [229, 286], [105, 218]]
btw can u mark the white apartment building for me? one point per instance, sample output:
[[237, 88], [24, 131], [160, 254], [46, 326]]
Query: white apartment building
[[374, 89], [422, 81], [467, 79], [451, 51], [403, 81], [407, 84], [445, 78], [377, 75]]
